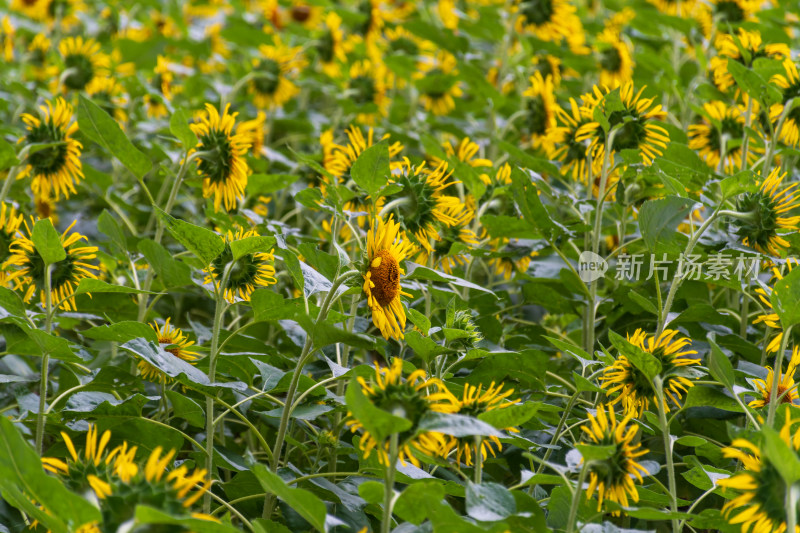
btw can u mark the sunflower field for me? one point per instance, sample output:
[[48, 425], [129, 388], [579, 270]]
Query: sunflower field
[[434, 266]]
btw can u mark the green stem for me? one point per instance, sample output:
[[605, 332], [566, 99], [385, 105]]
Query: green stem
[[577, 496], [662, 419], [219, 311], [791, 507], [746, 139], [478, 460], [773, 394], [388, 492], [48, 326]]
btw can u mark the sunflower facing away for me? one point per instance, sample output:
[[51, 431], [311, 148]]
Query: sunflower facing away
[[510, 257], [568, 149], [83, 62], [409, 398], [475, 401], [636, 391], [550, 20], [760, 504], [729, 49], [766, 213], [437, 81], [366, 89], [722, 121], [386, 248], [55, 169], [330, 48], [221, 165], [10, 221], [541, 117], [770, 318], [787, 389], [247, 273], [613, 477], [174, 341], [271, 86], [614, 59], [29, 276], [789, 83], [638, 132], [725, 13]]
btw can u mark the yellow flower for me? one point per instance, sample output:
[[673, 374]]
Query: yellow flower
[[771, 319], [634, 388], [550, 20], [57, 168], [255, 130], [330, 49], [476, 401], [614, 59], [10, 221], [438, 83], [247, 273], [787, 390], [221, 165], [168, 335], [29, 276], [766, 213], [722, 121], [459, 234], [729, 48], [386, 248], [612, 478], [366, 89], [272, 87], [511, 257], [760, 505], [541, 116], [7, 33], [568, 149], [35, 9], [108, 94], [410, 398], [83, 62], [789, 82], [725, 13]]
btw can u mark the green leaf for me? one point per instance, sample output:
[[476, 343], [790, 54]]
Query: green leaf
[[511, 416], [700, 396], [658, 220], [149, 515], [107, 224], [170, 271], [418, 272], [754, 85], [372, 491], [781, 453], [425, 347], [90, 285], [371, 170], [507, 226], [489, 502], [58, 347], [419, 320], [645, 362], [121, 332], [379, 423], [269, 183], [305, 503], [456, 425], [739, 183], [536, 164], [591, 452], [205, 244], [269, 305], [252, 245], [179, 127], [785, 299], [21, 469], [47, 242], [720, 366], [11, 303], [526, 195], [186, 408], [99, 127], [8, 157], [96, 404], [412, 504]]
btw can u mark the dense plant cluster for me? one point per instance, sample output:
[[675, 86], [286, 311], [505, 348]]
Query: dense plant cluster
[[381, 265]]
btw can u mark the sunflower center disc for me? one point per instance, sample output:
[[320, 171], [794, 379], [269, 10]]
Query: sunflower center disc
[[386, 278]]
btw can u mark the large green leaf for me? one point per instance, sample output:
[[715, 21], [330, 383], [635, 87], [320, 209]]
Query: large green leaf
[[785, 299], [305, 503], [205, 244], [489, 502], [644, 361], [371, 170], [658, 220], [379, 423], [179, 127], [47, 242]]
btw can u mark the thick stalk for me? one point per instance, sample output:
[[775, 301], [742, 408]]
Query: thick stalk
[[777, 370], [748, 118], [576, 499], [791, 507], [219, 311], [48, 325], [478, 460], [662, 420], [388, 491]]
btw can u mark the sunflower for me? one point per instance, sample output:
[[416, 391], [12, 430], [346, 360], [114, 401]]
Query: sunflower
[[510, 257], [454, 244], [771, 318], [155, 106], [760, 505], [330, 46], [729, 48], [475, 401], [550, 20], [34, 9], [29, 276], [789, 82], [306, 14], [410, 398], [637, 131], [422, 204], [37, 58], [613, 477], [248, 272], [163, 78], [787, 389], [541, 112], [271, 86], [679, 8], [725, 13], [83, 62], [108, 94], [175, 342], [222, 164], [255, 130], [437, 81], [338, 159], [613, 59], [403, 43], [10, 221], [550, 65], [366, 90], [765, 214], [7, 33], [721, 121], [386, 249], [45, 208], [57, 168], [568, 150], [635, 389], [97, 467]]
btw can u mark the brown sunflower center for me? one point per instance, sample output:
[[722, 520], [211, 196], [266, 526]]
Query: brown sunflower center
[[166, 340], [386, 277]]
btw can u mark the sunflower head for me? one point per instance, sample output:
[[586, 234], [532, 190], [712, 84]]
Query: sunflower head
[[56, 168], [765, 213], [408, 397], [614, 59], [634, 389], [760, 503], [10, 221], [272, 84], [476, 401], [83, 62], [613, 477], [787, 391], [541, 111], [438, 83], [511, 257], [29, 273], [173, 341], [238, 279], [221, 162]]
